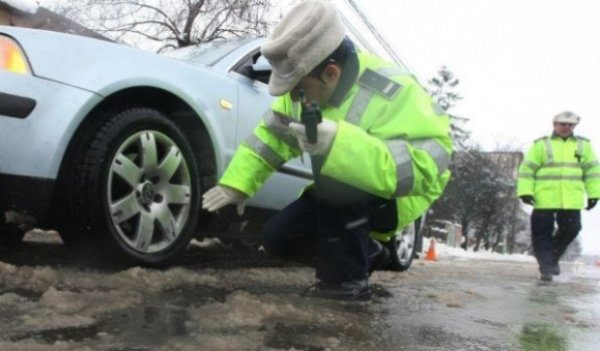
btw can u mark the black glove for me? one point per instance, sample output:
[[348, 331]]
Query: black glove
[[591, 204], [527, 199]]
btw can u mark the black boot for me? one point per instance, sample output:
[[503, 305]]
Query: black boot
[[556, 270], [547, 272], [356, 290]]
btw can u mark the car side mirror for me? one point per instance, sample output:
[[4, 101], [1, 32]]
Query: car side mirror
[[262, 65], [260, 71]]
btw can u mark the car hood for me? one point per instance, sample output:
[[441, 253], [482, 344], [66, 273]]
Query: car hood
[[95, 65]]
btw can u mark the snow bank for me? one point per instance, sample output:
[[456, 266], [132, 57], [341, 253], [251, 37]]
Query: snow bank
[[33, 279], [29, 6], [445, 251], [57, 309], [40, 279]]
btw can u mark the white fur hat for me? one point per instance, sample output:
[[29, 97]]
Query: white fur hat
[[310, 32], [566, 117]]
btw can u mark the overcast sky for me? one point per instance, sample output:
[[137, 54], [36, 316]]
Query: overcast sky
[[519, 63]]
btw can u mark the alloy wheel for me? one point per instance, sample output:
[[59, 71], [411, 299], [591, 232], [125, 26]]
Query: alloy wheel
[[149, 191]]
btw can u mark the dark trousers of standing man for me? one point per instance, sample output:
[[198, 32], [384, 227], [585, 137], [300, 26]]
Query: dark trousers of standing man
[[338, 234], [547, 246]]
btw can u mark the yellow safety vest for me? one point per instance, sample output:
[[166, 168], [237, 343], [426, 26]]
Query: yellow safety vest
[[558, 172], [391, 146]]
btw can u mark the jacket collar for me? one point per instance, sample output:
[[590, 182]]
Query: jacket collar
[[349, 74], [554, 135]]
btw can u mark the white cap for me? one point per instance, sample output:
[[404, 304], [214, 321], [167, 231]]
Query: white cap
[[566, 117], [310, 32]]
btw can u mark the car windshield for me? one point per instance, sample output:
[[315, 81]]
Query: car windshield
[[207, 53]]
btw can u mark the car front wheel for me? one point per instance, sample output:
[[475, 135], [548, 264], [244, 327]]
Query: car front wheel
[[136, 188]]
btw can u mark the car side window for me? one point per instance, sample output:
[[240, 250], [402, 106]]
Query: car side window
[[255, 67]]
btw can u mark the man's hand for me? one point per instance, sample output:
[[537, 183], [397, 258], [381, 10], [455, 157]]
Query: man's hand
[[326, 131], [527, 199], [591, 204], [221, 196]]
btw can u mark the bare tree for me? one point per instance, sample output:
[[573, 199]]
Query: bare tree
[[481, 197], [481, 192], [470, 195], [164, 24]]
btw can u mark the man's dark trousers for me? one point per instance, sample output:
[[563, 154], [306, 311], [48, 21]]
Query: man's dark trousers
[[337, 234], [548, 248]]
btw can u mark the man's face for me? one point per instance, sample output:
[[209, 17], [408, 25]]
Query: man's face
[[563, 129], [319, 90]]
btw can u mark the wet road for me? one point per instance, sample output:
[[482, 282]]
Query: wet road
[[225, 299]]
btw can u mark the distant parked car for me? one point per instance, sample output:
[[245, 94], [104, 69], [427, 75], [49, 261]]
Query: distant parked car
[[114, 146]]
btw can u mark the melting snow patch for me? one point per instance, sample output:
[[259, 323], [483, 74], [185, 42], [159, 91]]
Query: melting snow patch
[[164, 280], [25, 277], [244, 310], [66, 309], [34, 346]]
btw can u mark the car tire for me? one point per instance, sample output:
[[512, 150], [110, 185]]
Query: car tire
[[134, 188], [402, 249]]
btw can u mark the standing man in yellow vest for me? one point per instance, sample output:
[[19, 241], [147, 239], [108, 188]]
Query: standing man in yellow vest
[[380, 158], [554, 176]]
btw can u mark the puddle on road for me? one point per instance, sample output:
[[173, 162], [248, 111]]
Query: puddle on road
[[163, 316]]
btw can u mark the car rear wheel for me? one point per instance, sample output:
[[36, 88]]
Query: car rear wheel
[[136, 188]]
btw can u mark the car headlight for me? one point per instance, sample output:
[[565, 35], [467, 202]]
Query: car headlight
[[12, 58]]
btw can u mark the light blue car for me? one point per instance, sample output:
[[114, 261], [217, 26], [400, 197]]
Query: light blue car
[[113, 146]]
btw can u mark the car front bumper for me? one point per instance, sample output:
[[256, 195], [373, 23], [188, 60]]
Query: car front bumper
[[37, 123], [33, 144]]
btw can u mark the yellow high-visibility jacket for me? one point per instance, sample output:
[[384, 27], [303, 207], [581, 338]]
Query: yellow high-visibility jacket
[[558, 172], [390, 146]]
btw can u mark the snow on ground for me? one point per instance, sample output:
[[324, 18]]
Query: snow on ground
[[253, 314], [186, 308], [444, 252], [29, 6]]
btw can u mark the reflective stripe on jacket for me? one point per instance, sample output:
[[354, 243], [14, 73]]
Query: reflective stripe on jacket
[[558, 172], [392, 148]]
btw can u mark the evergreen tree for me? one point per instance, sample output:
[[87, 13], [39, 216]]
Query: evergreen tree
[[443, 90]]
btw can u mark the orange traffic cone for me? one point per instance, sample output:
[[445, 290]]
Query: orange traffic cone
[[431, 255]]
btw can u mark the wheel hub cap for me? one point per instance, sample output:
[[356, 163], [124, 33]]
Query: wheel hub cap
[[146, 193]]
